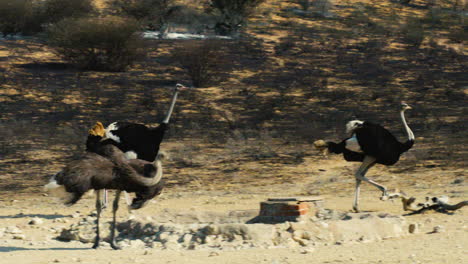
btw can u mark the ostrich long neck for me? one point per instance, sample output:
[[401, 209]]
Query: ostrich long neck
[[171, 108], [408, 130]]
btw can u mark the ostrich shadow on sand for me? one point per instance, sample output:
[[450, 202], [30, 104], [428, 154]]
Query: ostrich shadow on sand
[[45, 216], [13, 249]]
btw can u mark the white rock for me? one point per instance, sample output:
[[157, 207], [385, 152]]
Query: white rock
[[19, 236], [438, 229], [137, 243], [36, 221], [75, 215], [13, 230]]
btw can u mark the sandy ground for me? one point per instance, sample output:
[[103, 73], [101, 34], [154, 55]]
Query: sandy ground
[[39, 245]]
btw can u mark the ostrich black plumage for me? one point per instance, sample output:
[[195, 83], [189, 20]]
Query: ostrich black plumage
[[370, 144], [109, 169], [137, 141]]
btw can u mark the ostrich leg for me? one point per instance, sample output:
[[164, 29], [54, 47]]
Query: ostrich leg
[[98, 212], [367, 163], [115, 207], [104, 198]]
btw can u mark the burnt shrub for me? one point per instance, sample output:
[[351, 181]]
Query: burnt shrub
[[29, 17], [53, 11], [202, 60], [16, 16], [150, 13], [412, 32], [233, 14], [107, 44]]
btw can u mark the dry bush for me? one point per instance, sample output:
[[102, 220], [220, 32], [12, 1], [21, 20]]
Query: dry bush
[[201, 60], [150, 13], [53, 11], [29, 17], [322, 7], [365, 61], [305, 4], [257, 144], [107, 44], [458, 34], [16, 16], [233, 14], [412, 32]]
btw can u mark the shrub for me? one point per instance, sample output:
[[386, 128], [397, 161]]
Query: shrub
[[305, 4], [233, 14], [457, 34], [29, 16], [201, 61], [55, 10], [322, 7], [108, 44], [148, 12], [15, 16], [413, 32]]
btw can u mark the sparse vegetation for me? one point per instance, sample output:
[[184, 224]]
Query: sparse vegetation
[[53, 11], [413, 32], [16, 16], [150, 13], [29, 17], [233, 14], [107, 44], [201, 61]]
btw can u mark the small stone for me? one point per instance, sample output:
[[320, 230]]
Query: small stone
[[19, 237], [458, 181], [56, 261], [36, 221], [75, 215], [413, 228], [438, 229], [307, 250], [13, 230], [213, 254], [429, 220]]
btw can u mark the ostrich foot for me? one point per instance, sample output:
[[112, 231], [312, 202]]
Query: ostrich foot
[[96, 245], [356, 209], [384, 196], [114, 245], [395, 194]]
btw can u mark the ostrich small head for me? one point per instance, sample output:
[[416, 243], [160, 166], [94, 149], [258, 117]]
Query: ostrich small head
[[353, 125], [405, 106], [180, 87]]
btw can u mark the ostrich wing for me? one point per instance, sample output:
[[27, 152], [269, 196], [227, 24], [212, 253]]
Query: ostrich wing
[[379, 143]]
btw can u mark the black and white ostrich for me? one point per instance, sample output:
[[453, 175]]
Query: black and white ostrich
[[137, 141], [109, 169], [371, 144]]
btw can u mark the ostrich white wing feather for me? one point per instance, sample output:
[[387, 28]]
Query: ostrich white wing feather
[[353, 144], [111, 135]]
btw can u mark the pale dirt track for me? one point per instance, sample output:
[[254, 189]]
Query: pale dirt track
[[449, 246]]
